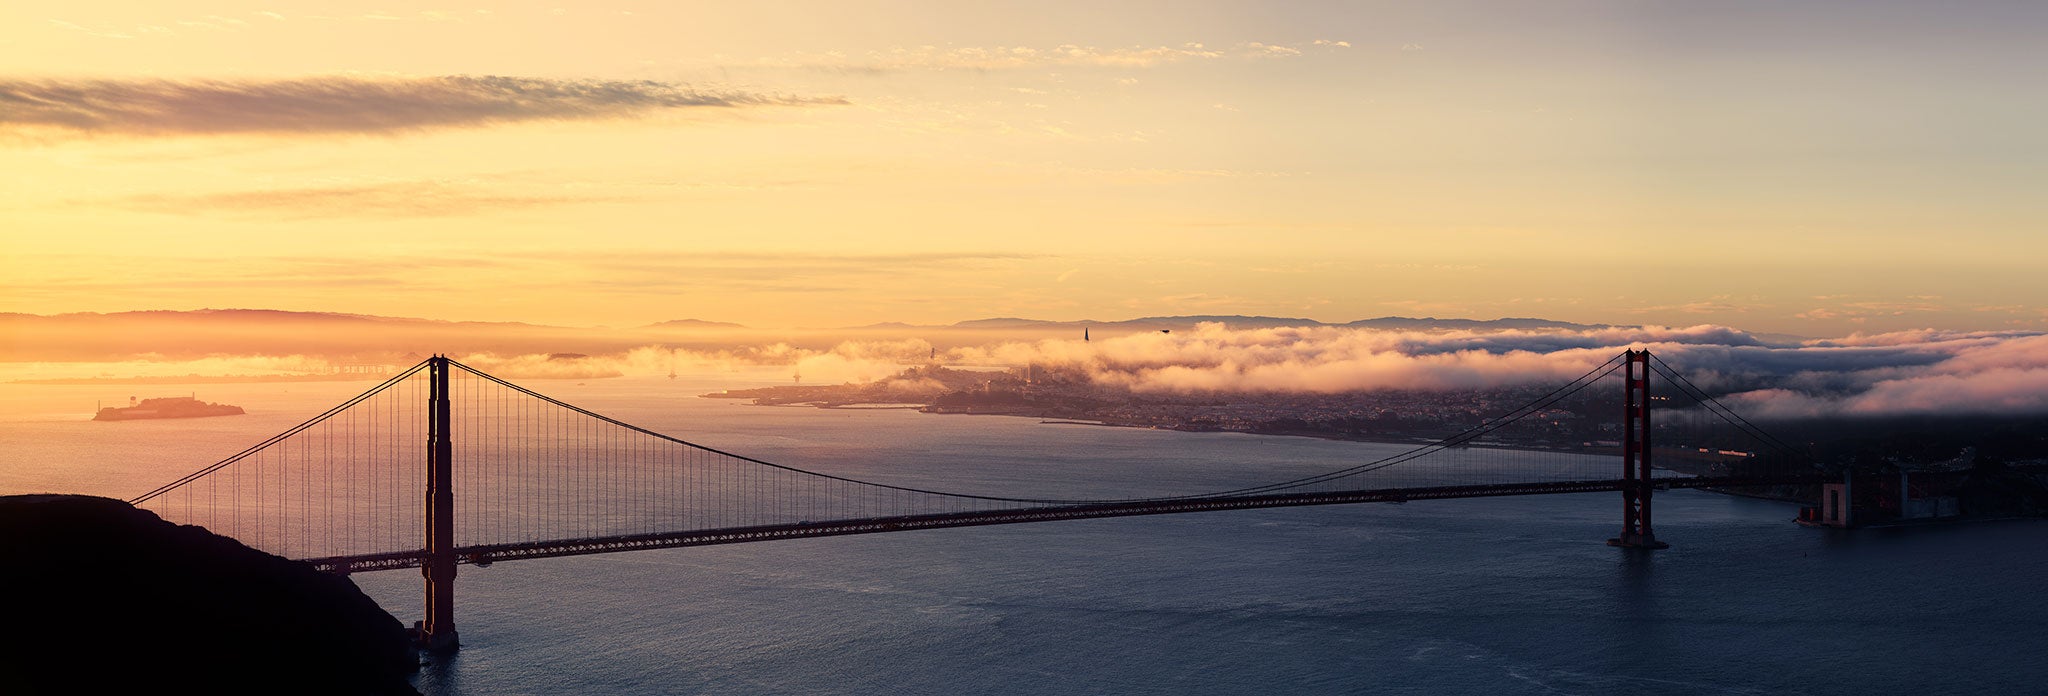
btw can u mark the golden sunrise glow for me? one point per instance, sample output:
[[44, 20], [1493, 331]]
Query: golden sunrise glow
[[1814, 170]]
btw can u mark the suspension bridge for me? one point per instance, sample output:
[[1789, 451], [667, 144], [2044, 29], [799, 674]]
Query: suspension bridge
[[443, 465]]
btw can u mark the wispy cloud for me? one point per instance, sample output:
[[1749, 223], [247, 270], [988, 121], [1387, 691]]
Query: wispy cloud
[[344, 105], [1135, 175], [1196, 300], [615, 274], [1718, 304], [103, 32], [405, 199], [660, 272], [1028, 57], [1860, 312], [201, 26]]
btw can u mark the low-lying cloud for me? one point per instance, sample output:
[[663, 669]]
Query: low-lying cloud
[[346, 104], [1905, 373]]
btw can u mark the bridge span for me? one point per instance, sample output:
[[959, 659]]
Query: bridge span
[[443, 465], [488, 554]]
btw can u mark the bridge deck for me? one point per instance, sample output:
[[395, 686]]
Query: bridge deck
[[491, 553]]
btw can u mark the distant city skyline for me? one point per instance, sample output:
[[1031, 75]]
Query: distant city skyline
[[1819, 169]]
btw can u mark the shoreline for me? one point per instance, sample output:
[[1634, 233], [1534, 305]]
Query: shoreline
[[207, 379], [1339, 437], [1410, 441], [1414, 442], [1756, 496]]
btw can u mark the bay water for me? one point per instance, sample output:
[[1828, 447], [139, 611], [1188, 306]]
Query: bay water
[[1493, 596]]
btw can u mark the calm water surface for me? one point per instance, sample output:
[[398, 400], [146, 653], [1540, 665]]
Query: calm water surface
[[1509, 595]]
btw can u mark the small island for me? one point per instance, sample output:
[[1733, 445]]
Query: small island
[[167, 407]]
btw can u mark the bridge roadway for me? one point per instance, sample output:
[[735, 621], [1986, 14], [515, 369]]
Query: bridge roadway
[[492, 553]]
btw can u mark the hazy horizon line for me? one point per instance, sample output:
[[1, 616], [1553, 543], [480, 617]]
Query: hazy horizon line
[[883, 324]]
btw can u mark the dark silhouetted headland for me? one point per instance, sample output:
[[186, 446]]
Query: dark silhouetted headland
[[105, 598]]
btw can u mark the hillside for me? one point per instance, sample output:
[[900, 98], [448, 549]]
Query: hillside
[[106, 598]]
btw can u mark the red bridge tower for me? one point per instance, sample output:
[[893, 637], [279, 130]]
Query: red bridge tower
[[438, 632], [1635, 456]]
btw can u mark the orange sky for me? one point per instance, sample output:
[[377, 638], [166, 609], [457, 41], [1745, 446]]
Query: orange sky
[[1819, 169]]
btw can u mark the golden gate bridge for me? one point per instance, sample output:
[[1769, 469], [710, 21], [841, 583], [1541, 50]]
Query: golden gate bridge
[[444, 465]]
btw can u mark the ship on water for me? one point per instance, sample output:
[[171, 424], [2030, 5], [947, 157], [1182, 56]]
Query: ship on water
[[166, 407]]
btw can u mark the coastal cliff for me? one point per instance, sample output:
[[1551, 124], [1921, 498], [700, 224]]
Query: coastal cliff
[[105, 598]]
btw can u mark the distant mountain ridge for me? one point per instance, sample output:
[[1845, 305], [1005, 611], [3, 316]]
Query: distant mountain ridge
[[351, 338], [693, 324], [370, 339], [277, 316], [1501, 323], [247, 315]]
